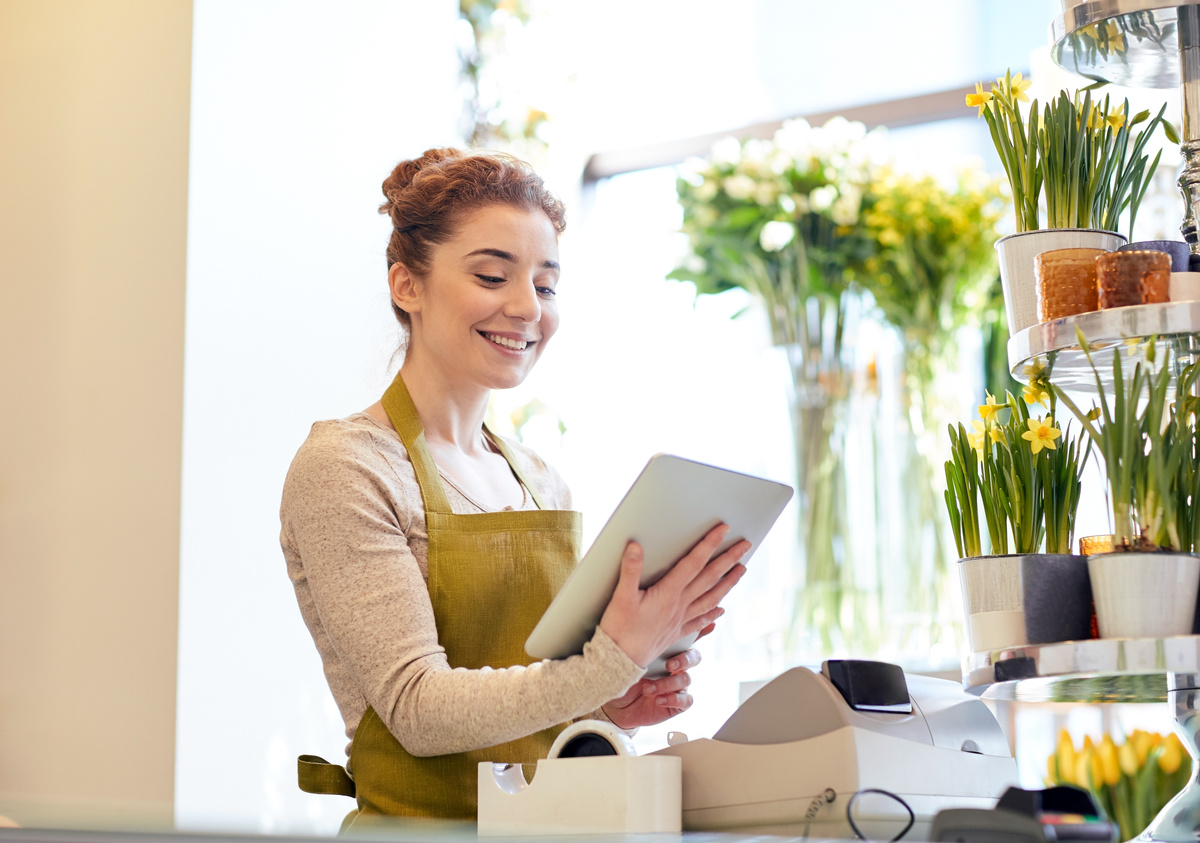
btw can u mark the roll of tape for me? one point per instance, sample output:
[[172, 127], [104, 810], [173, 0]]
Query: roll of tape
[[589, 738]]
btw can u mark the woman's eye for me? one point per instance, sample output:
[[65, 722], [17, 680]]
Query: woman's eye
[[547, 292], [490, 279]]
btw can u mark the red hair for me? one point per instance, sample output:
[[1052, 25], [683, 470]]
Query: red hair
[[429, 196]]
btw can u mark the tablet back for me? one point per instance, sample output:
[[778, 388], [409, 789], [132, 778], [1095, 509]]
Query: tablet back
[[671, 506]]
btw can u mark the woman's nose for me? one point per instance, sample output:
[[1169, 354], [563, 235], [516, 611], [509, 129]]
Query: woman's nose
[[523, 302]]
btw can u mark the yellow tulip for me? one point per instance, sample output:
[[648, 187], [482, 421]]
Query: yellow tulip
[[1127, 758], [1172, 754], [1142, 742], [1108, 761], [1080, 774], [1066, 758]]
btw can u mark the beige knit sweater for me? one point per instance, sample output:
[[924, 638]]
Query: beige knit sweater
[[353, 534]]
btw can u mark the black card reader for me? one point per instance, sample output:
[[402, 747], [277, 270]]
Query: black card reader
[[869, 686]]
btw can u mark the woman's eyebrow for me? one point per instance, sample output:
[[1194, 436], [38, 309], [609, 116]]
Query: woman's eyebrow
[[510, 257]]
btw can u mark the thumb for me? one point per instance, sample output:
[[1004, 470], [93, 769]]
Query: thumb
[[630, 580]]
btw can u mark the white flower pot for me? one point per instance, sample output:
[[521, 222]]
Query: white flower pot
[[993, 599], [1144, 595], [1016, 253]]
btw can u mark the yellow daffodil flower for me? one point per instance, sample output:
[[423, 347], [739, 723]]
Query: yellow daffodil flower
[[979, 99], [1036, 394], [1034, 371], [1116, 119], [1116, 38], [975, 440], [988, 411], [996, 435], [1041, 434], [1093, 414], [1019, 87]]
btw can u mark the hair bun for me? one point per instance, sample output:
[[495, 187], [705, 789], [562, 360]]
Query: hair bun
[[406, 171]]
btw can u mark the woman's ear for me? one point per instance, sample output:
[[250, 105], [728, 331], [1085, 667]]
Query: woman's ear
[[405, 289]]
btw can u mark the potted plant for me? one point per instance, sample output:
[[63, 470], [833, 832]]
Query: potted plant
[[1147, 587], [1082, 159], [1026, 484]]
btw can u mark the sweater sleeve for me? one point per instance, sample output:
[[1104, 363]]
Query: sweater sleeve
[[348, 518]]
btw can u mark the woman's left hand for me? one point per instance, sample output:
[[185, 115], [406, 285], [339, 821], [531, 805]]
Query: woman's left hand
[[652, 701]]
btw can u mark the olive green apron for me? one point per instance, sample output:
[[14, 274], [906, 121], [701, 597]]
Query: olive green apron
[[491, 576]]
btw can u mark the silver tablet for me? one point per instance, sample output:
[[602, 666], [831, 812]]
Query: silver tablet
[[671, 506]]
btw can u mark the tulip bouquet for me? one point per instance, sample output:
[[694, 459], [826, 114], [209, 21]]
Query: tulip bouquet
[[1132, 781]]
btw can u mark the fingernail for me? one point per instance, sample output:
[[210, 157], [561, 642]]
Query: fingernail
[[673, 664], [648, 689]]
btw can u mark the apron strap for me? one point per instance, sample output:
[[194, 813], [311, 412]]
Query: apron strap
[[399, 406], [316, 775]]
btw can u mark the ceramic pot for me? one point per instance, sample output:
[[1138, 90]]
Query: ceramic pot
[[1144, 595], [1131, 278], [1176, 250], [1057, 596], [1016, 253], [1018, 599], [1066, 282], [993, 601]]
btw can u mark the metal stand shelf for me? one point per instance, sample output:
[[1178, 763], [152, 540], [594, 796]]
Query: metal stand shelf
[[1142, 43], [1109, 670], [1054, 345]]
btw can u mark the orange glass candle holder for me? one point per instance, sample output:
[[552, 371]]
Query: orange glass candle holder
[[1066, 282], [1129, 278], [1092, 545]]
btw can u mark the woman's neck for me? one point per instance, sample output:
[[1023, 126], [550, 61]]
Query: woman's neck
[[449, 417]]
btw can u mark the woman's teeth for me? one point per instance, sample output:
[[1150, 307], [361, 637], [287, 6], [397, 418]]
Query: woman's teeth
[[516, 345]]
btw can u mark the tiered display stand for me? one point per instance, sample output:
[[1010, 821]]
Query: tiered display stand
[[1138, 43]]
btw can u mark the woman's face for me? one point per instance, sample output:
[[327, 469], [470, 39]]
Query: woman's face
[[485, 310]]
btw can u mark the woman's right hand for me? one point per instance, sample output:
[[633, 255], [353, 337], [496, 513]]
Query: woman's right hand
[[645, 622]]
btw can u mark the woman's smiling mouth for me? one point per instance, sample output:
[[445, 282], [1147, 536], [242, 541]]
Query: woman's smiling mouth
[[506, 342]]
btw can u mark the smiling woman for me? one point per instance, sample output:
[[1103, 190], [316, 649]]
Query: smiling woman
[[424, 548]]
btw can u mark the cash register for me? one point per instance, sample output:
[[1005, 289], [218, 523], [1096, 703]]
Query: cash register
[[857, 748]]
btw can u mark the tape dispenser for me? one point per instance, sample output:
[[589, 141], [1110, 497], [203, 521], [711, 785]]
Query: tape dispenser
[[592, 782]]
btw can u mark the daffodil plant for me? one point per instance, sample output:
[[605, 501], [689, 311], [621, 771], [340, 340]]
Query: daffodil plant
[[1015, 473], [1187, 486], [1085, 155], [1148, 447]]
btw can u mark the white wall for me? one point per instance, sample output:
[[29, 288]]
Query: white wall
[[299, 111], [93, 202]]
